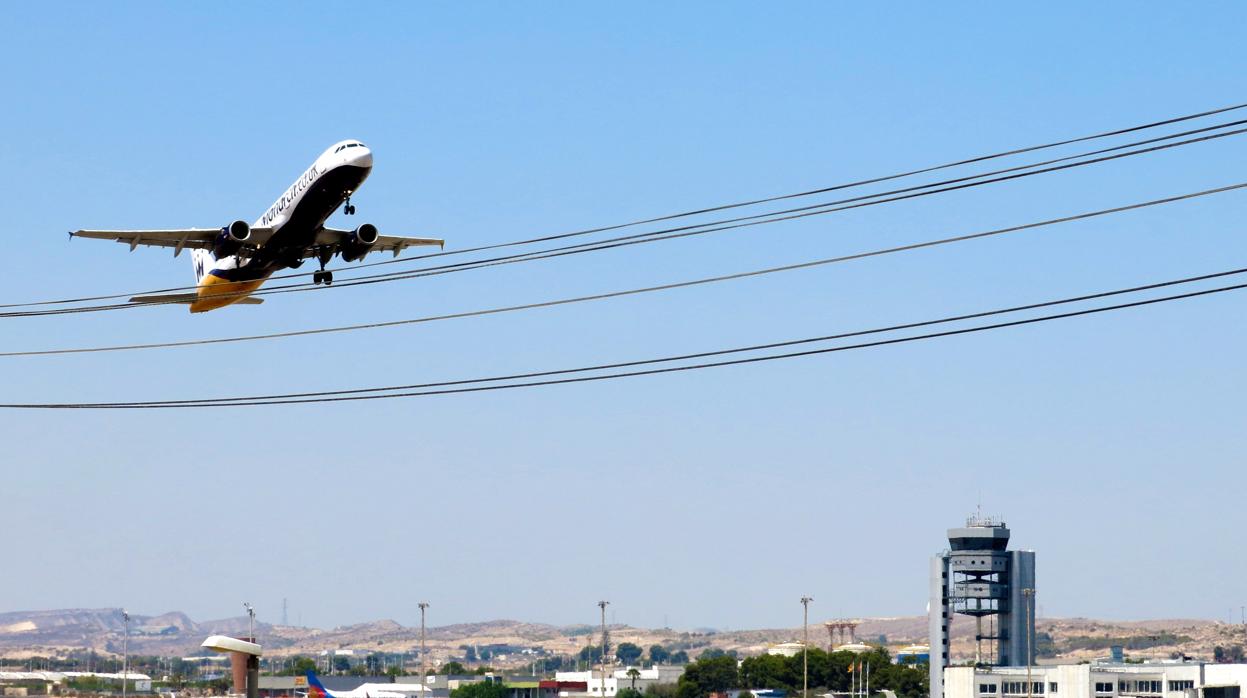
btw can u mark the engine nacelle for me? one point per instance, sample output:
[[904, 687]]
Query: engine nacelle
[[231, 239], [361, 240]]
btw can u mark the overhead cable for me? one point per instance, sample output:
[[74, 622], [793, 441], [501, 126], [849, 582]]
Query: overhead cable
[[753, 202], [622, 293], [686, 231], [465, 386]]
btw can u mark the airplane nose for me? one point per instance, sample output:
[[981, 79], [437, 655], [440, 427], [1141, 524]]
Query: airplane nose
[[362, 158]]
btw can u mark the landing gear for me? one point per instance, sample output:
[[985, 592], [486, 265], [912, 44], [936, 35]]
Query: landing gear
[[348, 209], [323, 277]]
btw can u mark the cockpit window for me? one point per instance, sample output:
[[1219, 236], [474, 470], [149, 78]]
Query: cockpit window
[[339, 148]]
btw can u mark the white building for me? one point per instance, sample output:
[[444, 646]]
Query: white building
[[786, 649], [1100, 680], [619, 679]]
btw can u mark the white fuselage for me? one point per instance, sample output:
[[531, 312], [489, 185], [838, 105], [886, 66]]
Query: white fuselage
[[295, 219]]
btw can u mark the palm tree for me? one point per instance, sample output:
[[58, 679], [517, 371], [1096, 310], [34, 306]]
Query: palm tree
[[634, 675]]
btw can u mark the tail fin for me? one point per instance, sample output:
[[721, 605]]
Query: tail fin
[[315, 683], [202, 260]]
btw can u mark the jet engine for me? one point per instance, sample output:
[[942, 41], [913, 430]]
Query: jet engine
[[361, 240], [231, 239]]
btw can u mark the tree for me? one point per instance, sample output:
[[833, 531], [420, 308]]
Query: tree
[[634, 675], [453, 668], [1045, 646], [679, 657], [706, 676], [658, 654], [299, 667], [765, 671], [341, 664], [907, 681], [481, 689], [556, 663], [629, 693], [394, 670], [661, 690], [591, 654], [628, 653]]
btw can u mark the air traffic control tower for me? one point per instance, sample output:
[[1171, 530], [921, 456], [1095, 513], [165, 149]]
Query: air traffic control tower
[[978, 577]]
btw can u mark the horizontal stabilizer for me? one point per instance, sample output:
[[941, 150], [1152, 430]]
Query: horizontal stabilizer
[[188, 298]]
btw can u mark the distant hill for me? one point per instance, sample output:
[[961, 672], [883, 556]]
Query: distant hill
[[60, 632]]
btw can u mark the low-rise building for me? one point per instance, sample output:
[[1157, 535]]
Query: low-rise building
[[22, 683], [620, 679], [1099, 680], [786, 649]]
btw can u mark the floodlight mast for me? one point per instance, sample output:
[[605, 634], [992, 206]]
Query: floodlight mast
[[251, 614], [424, 669], [805, 646], [125, 651], [605, 640]]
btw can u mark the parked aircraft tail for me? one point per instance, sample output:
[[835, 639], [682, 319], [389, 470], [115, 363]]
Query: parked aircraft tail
[[315, 683]]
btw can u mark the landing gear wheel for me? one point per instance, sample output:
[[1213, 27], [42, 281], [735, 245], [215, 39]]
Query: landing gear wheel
[[350, 210], [323, 255]]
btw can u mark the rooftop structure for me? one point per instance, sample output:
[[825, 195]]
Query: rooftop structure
[[838, 629]]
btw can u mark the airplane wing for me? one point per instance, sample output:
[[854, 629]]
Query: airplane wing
[[178, 239], [385, 243]]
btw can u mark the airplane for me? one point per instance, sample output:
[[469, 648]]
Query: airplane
[[233, 261], [368, 690]]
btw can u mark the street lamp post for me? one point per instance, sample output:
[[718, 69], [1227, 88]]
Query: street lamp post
[[805, 646], [1029, 593], [602, 605], [251, 615], [125, 651], [424, 670]]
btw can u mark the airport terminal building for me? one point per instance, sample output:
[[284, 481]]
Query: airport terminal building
[[1099, 680]]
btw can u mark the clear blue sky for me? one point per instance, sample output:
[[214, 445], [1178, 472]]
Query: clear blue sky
[[1113, 445]]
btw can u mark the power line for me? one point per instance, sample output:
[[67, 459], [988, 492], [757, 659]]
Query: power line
[[342, 396], [745, 221], [630, 292], [754, 220], [546, 238], [700, 229]]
